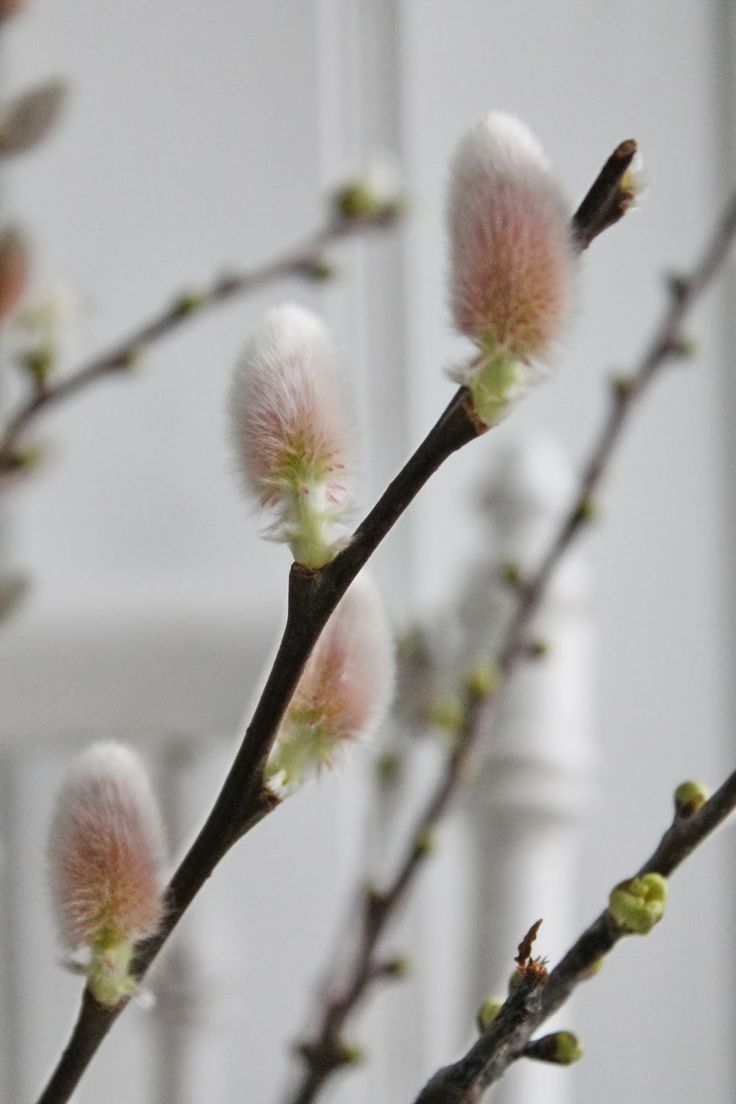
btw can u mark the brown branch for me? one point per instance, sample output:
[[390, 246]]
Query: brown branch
[[608, 200], [244, 798], [305, 260], [513, 650], [465, 1081]]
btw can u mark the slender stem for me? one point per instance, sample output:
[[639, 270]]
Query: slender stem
[[465, 1081], [245, 799], [322, 1053], [302, 260]]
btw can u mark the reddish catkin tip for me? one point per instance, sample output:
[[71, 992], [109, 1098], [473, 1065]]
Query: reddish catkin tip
[[10, 7], [345, 690], [292, 436], [513, 260], [105, 851], [14, 266]]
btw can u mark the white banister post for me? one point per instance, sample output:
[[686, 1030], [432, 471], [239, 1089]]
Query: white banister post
[[525, 816]]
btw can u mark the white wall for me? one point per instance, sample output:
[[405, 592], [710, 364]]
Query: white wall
[[198, 137]]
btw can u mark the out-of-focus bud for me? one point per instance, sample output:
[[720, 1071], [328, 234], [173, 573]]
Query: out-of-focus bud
[[487, 1013], [374, 195], [562, 1048], [10, 7], [14, 268], [292, 434], [27, 119], [638, 904], [344, 692], [38, 364], [105, 853], [513, 261], [689, 797], [483, 679]]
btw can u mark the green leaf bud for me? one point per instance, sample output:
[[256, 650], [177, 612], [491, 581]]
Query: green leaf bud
[[638, 904], [487, 1013], [561, 1048], [483, 679], [689, 797]]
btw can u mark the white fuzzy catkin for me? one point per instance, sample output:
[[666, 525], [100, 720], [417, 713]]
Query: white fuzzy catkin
[[345, 690], [513, 260], [292, 435], [105, 851]]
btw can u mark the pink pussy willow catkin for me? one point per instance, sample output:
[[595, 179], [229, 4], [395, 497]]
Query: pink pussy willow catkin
[[345, 690], [105, 851], [292, 434], [513, 260]]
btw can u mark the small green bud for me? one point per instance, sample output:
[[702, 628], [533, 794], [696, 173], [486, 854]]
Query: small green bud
[[349, 1054], [684, 348], [425, 842], [318, 269], [388, 768], [539, 649], [561, 1048], [189, 302], [487, 1013], [398, 967], [638, 904], [622, 386], [595, 968], [357, 200], [483, 679], [354, 201], [38, 363], [26, 459], [586, 512], [445, 714], [511, 574], [689, 797]]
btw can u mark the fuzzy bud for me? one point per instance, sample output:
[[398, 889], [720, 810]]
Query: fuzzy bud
[[14, 266], [105, 855], [344, 692], [292, 435], [638, 904], [513, 261]]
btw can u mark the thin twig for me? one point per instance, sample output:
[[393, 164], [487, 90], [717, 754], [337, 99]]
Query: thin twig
[[244, 798], [305, 260], [465, 1081], [320, 1052]]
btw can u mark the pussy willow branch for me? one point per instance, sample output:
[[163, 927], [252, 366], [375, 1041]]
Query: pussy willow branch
[[244, 798], [465, 1081], [325, 1052], [304, 260]]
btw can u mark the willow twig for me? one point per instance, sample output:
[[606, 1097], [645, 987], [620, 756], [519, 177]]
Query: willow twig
[[305, 260], [245, 798], [465, 1081], [345, 993]]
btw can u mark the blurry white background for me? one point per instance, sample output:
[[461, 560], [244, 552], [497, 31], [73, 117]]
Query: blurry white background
[[198, 137]]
